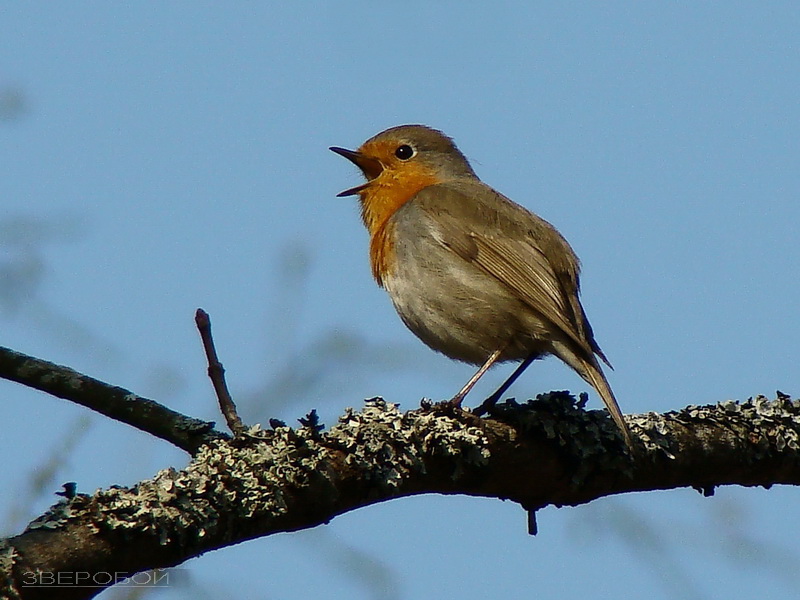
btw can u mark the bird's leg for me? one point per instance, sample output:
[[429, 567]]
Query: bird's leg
[[459, 397], [492, 400]]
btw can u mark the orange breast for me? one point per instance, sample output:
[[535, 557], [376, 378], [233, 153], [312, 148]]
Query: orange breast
[[379, 202], [381, 251]]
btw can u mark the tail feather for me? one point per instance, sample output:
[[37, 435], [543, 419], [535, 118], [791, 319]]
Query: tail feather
[[589, 369], [594, 375]]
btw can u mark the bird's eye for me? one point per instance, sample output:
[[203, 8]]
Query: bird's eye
[[404, 152]]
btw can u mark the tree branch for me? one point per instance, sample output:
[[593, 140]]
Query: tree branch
[[216, 372], [118, 403], [546, 452]]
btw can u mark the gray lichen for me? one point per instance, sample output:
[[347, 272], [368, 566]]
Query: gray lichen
[[759, 425], [239, 488], [388, 444], [8, 558], [255, 477], [59, 514]]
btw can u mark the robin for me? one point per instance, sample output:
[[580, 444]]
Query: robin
[[474, 275]]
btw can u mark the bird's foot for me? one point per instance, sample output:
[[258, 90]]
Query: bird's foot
[[486, 406], [452, 406]]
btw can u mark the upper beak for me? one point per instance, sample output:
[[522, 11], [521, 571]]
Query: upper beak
[[371, 167]]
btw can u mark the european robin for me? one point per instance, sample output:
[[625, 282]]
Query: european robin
[[474, 275]]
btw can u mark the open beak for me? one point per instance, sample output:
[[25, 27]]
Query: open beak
[[371, 167]]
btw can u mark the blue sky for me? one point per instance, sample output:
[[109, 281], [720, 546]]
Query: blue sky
[[156, 158]]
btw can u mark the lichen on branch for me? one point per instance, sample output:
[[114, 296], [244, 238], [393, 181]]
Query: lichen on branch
[[549, 451]]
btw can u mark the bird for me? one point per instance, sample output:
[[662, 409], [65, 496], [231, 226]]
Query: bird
[[474, 275]]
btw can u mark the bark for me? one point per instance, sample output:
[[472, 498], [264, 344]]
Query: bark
[[546, 452], [112, 401]]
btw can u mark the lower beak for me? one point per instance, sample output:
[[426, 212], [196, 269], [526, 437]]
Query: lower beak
[[371, 167]]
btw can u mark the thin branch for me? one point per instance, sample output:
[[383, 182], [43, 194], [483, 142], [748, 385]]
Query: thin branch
[[118, 403], [217, 373]]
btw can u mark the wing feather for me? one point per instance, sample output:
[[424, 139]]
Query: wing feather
[[519, 249]]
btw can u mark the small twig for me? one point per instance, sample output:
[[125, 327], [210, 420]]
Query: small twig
[[533, 527], [217, 373], [118, 403]]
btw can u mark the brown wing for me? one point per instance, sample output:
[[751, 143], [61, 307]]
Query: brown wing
[[516, 247], [529, 256]]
